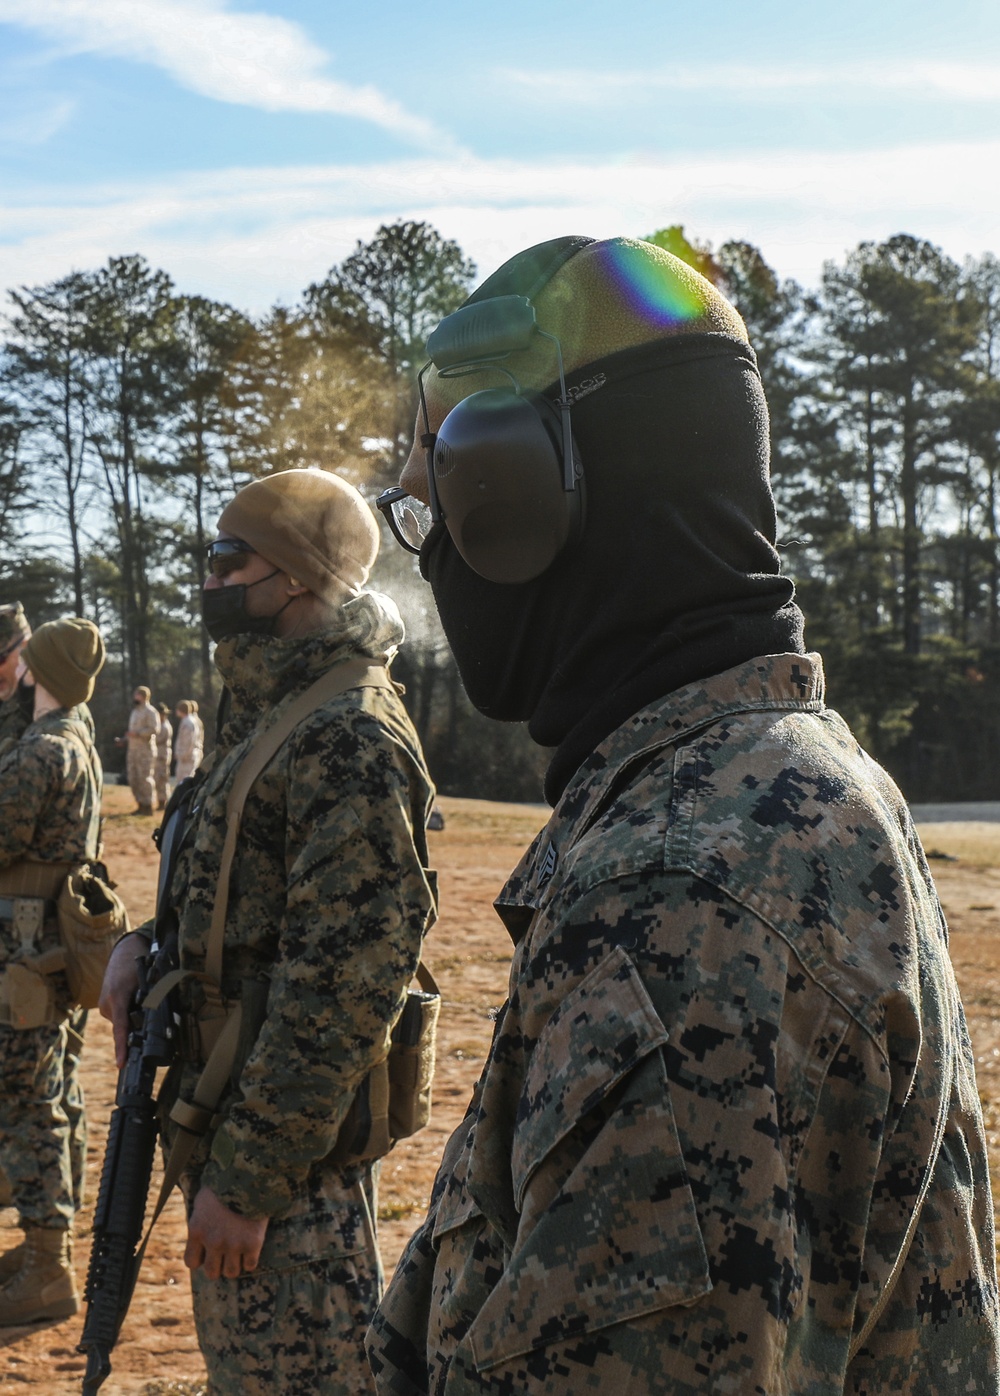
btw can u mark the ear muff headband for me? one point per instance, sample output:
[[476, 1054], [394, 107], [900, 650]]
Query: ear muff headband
[[531, 270], [502, 471]]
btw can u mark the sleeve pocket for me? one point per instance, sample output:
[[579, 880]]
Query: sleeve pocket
[[608, 1229]]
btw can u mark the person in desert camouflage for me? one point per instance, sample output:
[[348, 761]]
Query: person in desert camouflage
[[727, 1138], [161, 766], [329, 900], [140, 754], [189, 748], [50, 810]]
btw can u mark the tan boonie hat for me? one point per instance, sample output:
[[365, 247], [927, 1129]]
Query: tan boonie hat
[[13, 625], [309, 523], [65, 656]]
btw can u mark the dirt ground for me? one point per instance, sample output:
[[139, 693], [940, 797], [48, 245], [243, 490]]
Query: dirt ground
[[469, 953]]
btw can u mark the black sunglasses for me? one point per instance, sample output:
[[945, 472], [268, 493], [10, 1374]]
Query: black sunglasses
[[227, 555], [409, 520]]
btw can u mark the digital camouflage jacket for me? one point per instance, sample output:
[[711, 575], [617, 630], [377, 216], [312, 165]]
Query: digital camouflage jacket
[[50, 811], [329, 900], [728, 1138], [50, 791]]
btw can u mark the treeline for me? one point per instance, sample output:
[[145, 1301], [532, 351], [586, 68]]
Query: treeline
[[129, 414]]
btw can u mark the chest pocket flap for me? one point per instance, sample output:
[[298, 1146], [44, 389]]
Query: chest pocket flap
[[607, 1223]]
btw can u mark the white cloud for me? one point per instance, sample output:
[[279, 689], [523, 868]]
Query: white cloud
[[251, 59], [252, 236], [35, 125], [968, 82]]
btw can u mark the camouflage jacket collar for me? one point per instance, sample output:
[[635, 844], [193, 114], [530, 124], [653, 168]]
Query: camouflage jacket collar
[[260, 670], [780, 681], [59, 722]]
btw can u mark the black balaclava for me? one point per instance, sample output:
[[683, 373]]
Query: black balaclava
[[675, 576]]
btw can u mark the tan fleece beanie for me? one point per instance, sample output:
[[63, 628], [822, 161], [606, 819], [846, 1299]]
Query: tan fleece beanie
[[65, 656], [309, 523]]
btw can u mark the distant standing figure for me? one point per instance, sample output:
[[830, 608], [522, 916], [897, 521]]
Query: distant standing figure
[[17, 705], [189, 747], [161, 768], [143, 725], [50, 820]]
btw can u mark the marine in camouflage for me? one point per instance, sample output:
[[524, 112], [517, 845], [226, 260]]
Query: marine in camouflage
[[329, 901], [15, 718], [161, 768], [50, 799], [189, 747], [140, 759], [727, 1139]]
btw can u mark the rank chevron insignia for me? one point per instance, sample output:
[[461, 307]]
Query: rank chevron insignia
[[548, 864]]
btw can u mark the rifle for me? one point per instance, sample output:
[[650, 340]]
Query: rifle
[[116, 1254]]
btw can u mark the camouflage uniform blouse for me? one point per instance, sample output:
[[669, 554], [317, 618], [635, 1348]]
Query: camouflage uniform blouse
[[329, 900], [732, 1064], [50, 791], [50, 808]]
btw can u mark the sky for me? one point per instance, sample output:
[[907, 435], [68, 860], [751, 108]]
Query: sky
[[245, 146]]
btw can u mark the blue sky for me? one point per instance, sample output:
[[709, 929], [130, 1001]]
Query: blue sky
[[245, 146]]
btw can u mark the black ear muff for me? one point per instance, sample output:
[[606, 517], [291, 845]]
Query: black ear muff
[[499, 478]]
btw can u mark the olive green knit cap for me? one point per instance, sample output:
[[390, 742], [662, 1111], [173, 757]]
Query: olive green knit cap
[[65, 656]]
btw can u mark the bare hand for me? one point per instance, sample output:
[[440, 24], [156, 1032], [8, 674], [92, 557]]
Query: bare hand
[[220, 1241], [121, 980]]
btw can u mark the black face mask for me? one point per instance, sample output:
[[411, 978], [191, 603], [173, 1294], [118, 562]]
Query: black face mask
[[223, 613]]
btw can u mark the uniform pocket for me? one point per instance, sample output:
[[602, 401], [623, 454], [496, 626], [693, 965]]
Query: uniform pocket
[[607, 1224], [326, 1221]]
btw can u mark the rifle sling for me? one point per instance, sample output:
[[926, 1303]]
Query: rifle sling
[[352, 673], [195, 1118]]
